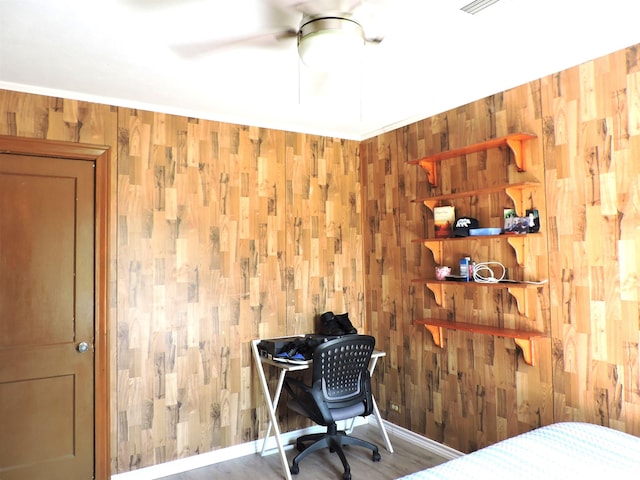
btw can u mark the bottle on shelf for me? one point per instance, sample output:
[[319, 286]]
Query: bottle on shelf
[[465, 263]]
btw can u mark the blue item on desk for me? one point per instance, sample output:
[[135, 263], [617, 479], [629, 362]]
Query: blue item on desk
[[292, 354]]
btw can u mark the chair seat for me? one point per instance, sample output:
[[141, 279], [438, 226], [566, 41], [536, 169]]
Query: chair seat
[[338, 414]]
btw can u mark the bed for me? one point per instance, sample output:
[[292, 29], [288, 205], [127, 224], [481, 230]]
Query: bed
[[567, 450]]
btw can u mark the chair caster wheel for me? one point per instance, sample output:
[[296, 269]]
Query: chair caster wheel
[[295, 469], [346, 476], [376, 457]]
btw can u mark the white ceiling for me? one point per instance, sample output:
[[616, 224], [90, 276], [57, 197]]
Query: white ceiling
[[434, 57]]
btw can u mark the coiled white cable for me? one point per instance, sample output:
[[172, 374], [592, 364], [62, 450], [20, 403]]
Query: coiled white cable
[[483, 273]]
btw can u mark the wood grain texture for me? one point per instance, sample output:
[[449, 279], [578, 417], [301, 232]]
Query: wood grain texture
[[221, 234], [224, 233], [593, 270], [477, 389], [233, 233]]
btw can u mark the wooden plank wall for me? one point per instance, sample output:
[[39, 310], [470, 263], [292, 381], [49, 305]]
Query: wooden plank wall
[[477, 390], [221, 234], [226, 233], [592, 152]]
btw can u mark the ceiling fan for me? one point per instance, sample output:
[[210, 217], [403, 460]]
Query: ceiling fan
[[329, 34]]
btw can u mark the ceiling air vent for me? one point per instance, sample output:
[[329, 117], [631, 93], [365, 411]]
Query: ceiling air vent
[[477, 6]]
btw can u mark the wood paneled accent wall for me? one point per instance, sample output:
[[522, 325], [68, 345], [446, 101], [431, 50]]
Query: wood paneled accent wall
[[477, 390], [221, 234], [591, 122], [224, 233]]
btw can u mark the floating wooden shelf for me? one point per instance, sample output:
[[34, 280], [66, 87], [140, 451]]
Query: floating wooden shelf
[[516, 289], [515, 191], [523, 339], [516, 241], [513, 141]]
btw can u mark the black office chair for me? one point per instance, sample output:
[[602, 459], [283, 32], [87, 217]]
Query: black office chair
[[340, 390]]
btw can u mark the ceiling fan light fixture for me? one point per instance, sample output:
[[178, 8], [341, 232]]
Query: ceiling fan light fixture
[[325, 43]]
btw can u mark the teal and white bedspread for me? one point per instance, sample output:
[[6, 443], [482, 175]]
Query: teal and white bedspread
[[566, 450]]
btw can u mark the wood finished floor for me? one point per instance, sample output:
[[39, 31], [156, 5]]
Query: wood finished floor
[[406, 458]]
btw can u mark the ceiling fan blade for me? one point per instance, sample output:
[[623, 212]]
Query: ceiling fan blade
[[371, 15], [296, 6], [317, 7], [196, 49], [374, 40]]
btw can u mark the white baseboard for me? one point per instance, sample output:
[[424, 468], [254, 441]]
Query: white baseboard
[[430, 445], [288, 439]]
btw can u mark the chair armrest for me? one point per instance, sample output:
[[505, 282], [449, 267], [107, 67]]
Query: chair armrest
[[366, 386], [310, 399], [289, 382]]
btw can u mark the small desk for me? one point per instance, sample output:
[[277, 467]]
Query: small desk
[[272, 403]]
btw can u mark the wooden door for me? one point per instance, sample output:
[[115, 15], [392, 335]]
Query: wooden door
[[46, 313]]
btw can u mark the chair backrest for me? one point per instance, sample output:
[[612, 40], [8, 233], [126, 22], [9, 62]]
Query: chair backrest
[[340, 369]]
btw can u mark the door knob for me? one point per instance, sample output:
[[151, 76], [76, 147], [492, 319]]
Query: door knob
[[83, 347]]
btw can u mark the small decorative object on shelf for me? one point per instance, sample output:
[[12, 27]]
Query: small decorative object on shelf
[[513, 223], [479, 232], [463, 225], [465, 263], [509, 213], [442, 272], [443, 218], [534, 220], [516, 225]]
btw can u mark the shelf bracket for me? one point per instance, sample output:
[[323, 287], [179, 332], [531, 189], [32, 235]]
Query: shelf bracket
[[520, 295], [430, 204], [436, 288], [437, 333], [436, 248], [517, 197], [430, 168], [517, 243], [526, 345], [515, 144]]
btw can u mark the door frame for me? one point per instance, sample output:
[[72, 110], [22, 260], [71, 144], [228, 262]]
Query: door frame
[[101, 156]]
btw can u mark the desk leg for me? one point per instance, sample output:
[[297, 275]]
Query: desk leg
[[274, 402], [271, 407], [376, 412]]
